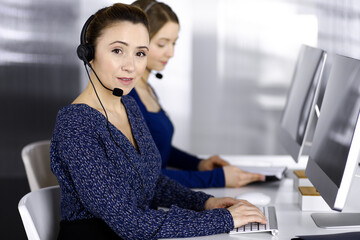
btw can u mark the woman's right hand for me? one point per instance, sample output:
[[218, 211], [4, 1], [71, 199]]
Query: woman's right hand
[[244, 212], [235, 177]]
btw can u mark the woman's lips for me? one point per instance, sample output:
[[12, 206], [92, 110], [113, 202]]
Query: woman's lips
[[125, 81]]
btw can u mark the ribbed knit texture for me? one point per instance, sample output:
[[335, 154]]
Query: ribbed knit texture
[[97, 179]]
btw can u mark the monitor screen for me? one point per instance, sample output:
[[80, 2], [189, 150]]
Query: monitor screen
[[298, 117], [333, 158]]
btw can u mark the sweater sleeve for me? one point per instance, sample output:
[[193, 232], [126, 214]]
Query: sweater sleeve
[[197, 179], [178, 194], [182, 160], [106, 192]]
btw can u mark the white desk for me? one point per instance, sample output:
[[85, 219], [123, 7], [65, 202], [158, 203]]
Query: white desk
[[291, 220]]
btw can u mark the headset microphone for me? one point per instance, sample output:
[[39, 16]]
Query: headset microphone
[[118, 92], [86, 52], [159, 75]]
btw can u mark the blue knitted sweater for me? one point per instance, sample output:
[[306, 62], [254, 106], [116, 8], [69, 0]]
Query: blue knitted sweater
[[97, 179]]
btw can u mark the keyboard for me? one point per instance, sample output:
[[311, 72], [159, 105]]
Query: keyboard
[[271, 225]]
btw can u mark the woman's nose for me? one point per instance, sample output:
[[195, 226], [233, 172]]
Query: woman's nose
[[128, 64], [170, 51]]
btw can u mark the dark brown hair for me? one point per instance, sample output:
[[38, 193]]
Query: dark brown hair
[[158, 14], [107, 16]]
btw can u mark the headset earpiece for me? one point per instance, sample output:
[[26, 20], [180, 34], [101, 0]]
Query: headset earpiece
[[85, 51]]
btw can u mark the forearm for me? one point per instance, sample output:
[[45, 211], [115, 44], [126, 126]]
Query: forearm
[[182, 160], [169, 192], [187, 223], [197, 179]]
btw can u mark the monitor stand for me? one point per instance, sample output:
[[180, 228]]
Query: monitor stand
[[336, 220]]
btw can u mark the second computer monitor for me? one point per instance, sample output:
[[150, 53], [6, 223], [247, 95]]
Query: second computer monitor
[[334, 156], [336, 145], [298, 118]]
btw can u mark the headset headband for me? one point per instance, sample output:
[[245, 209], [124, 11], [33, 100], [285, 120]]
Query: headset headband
[[85, 51], [149, 6], [84, 29]]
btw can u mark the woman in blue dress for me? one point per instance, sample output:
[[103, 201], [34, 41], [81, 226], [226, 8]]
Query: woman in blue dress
[[186, 168]]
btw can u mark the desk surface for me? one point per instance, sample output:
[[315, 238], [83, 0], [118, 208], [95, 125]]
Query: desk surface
[[291, 220]]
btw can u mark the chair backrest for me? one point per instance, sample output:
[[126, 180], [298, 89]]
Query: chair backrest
[[36, 158], [40, 213]]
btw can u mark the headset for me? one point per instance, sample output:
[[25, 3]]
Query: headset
[[157, 75], [86, 53]]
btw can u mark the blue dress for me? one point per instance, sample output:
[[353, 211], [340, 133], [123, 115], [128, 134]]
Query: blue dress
[[188, 175], [98, 181]]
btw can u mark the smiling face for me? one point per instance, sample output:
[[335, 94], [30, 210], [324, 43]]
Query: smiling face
[[162, 46], [121, 55]]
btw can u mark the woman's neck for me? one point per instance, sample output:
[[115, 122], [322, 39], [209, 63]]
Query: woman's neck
[[144, 81], [146, 74], [89, 97]]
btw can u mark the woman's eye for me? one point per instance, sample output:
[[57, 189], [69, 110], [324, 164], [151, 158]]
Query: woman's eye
[[117, 51], [161, 45], [141, 54]]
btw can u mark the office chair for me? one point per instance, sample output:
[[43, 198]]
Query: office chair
[[36, 158], [40, 213]]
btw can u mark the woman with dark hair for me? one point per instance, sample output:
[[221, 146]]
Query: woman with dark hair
[[105, 160], [190, 170]]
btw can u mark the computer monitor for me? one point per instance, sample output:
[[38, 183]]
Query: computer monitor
[[299, 117], [334, 157]]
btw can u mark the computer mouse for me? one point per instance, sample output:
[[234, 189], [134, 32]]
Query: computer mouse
[[256, 198]]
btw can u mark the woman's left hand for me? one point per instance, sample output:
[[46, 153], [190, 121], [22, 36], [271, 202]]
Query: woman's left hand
[[211, 163], [224, 202]]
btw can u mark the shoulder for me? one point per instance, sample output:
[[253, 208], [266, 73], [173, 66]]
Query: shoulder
[[76, 112], [77, 118]]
